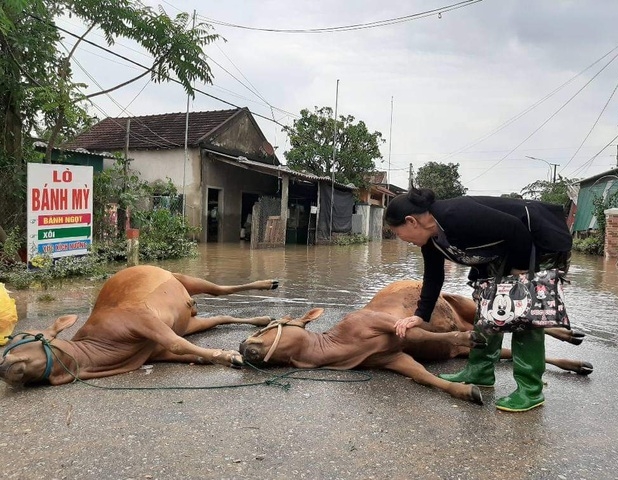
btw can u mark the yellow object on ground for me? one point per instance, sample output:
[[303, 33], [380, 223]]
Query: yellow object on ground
[[8, 314]]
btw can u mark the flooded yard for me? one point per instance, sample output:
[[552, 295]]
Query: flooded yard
[[385, 428], [339, 277]]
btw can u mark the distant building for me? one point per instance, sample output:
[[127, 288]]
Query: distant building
[[227, 169], [582, 211]]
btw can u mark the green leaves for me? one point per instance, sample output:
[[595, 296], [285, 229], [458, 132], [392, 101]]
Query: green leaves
[[175, 45], [442, 178], [547, 191], [312, 138]]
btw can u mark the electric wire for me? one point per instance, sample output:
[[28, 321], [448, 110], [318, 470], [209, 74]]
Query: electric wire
[[123, 109], [527, 110], [197, 90], [352, 27], [591, 128], [546, 121]]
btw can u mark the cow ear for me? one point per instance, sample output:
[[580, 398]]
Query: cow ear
[[60, 324], [311, 315]]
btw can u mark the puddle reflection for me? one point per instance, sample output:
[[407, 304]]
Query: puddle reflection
[[345, 277]]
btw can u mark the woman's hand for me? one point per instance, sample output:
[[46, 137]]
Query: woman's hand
[[402, 325]]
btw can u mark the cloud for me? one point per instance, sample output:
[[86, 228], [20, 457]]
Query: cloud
[[453, 80]]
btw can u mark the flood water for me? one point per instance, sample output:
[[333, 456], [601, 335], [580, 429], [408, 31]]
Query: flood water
[[340, 277]]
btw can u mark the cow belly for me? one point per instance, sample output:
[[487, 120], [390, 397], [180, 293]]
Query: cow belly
[[435, 350]]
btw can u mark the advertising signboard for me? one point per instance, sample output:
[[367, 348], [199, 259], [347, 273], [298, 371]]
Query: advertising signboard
[[59, 210]]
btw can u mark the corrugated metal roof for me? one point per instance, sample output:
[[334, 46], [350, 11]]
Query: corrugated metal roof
[[603, 187], [278, 169], [42, 146]]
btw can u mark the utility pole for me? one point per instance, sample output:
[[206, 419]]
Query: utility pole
[[390, 138], [411, 178], [184, 165], [551, 165], [332, 180]]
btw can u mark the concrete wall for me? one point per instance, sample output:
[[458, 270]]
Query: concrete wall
[[360, 220], [368, 221], [611, 233], [375, 223], [233, 182], [162, 164], [242, 136]]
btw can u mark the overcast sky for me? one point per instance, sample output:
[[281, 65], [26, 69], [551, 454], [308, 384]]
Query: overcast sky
[[483, 86]]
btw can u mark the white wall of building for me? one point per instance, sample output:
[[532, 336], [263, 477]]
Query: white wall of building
[[162, 164]]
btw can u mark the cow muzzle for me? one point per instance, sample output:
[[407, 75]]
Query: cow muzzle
[[13, 368], [12, 372], [251, 351]]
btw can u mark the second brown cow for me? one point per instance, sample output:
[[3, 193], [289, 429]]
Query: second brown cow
[[366, 338]]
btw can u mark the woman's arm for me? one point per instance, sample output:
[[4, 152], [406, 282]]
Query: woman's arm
[[433, 279]]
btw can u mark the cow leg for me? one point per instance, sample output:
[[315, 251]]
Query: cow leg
[[570, 336], [469, 339], [199, 324], [160, 333], [197, 286], [167, 356], [578, 366], [406, 365]]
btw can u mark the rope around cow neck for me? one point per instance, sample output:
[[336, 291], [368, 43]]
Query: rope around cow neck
[[274, 380]]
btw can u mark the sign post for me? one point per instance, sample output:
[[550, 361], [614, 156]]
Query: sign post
[[59, 210]]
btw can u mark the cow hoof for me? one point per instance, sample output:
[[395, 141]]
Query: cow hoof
[[274, 285], [585, 368], [577, 338], [476, 395], [237, 361], [477, 340]]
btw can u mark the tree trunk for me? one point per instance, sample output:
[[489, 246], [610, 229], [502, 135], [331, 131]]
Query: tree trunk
[[52, 138]]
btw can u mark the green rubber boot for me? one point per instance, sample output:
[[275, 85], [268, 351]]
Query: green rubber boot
[[481, 362], [528, 367]]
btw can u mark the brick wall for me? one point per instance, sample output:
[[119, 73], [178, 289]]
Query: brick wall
[[611, 233]]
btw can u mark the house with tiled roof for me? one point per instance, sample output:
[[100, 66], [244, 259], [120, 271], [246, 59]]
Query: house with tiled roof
[[228, 166], [155, 146]]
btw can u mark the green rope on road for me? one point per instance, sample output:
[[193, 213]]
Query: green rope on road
[[274, 380]]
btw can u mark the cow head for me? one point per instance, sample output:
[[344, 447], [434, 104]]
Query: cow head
[[26, 357], [279, 341]]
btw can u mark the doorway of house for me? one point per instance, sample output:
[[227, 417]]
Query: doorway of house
[[213, 214], [248, 199]]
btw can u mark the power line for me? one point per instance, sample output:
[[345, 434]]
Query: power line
[[548, 120], [591, 128], [197, 90], [586, 165], [524, 112], [230, 92], [347, 28]]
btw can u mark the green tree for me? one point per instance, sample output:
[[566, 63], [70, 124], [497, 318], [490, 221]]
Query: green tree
[[549, 192], [442, 178], [312, 138], [37, 91], [511, 195]]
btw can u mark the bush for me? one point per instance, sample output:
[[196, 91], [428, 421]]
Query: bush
[[593, 245], [349, 238], [165, 235], [47, 271]]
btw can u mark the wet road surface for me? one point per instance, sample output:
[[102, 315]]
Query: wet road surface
[[342, 427]]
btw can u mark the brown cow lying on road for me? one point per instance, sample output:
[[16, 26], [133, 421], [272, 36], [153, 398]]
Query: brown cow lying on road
[[366, 338], [140, 315]]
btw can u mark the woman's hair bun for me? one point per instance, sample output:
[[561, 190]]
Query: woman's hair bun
[[421, 197]]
